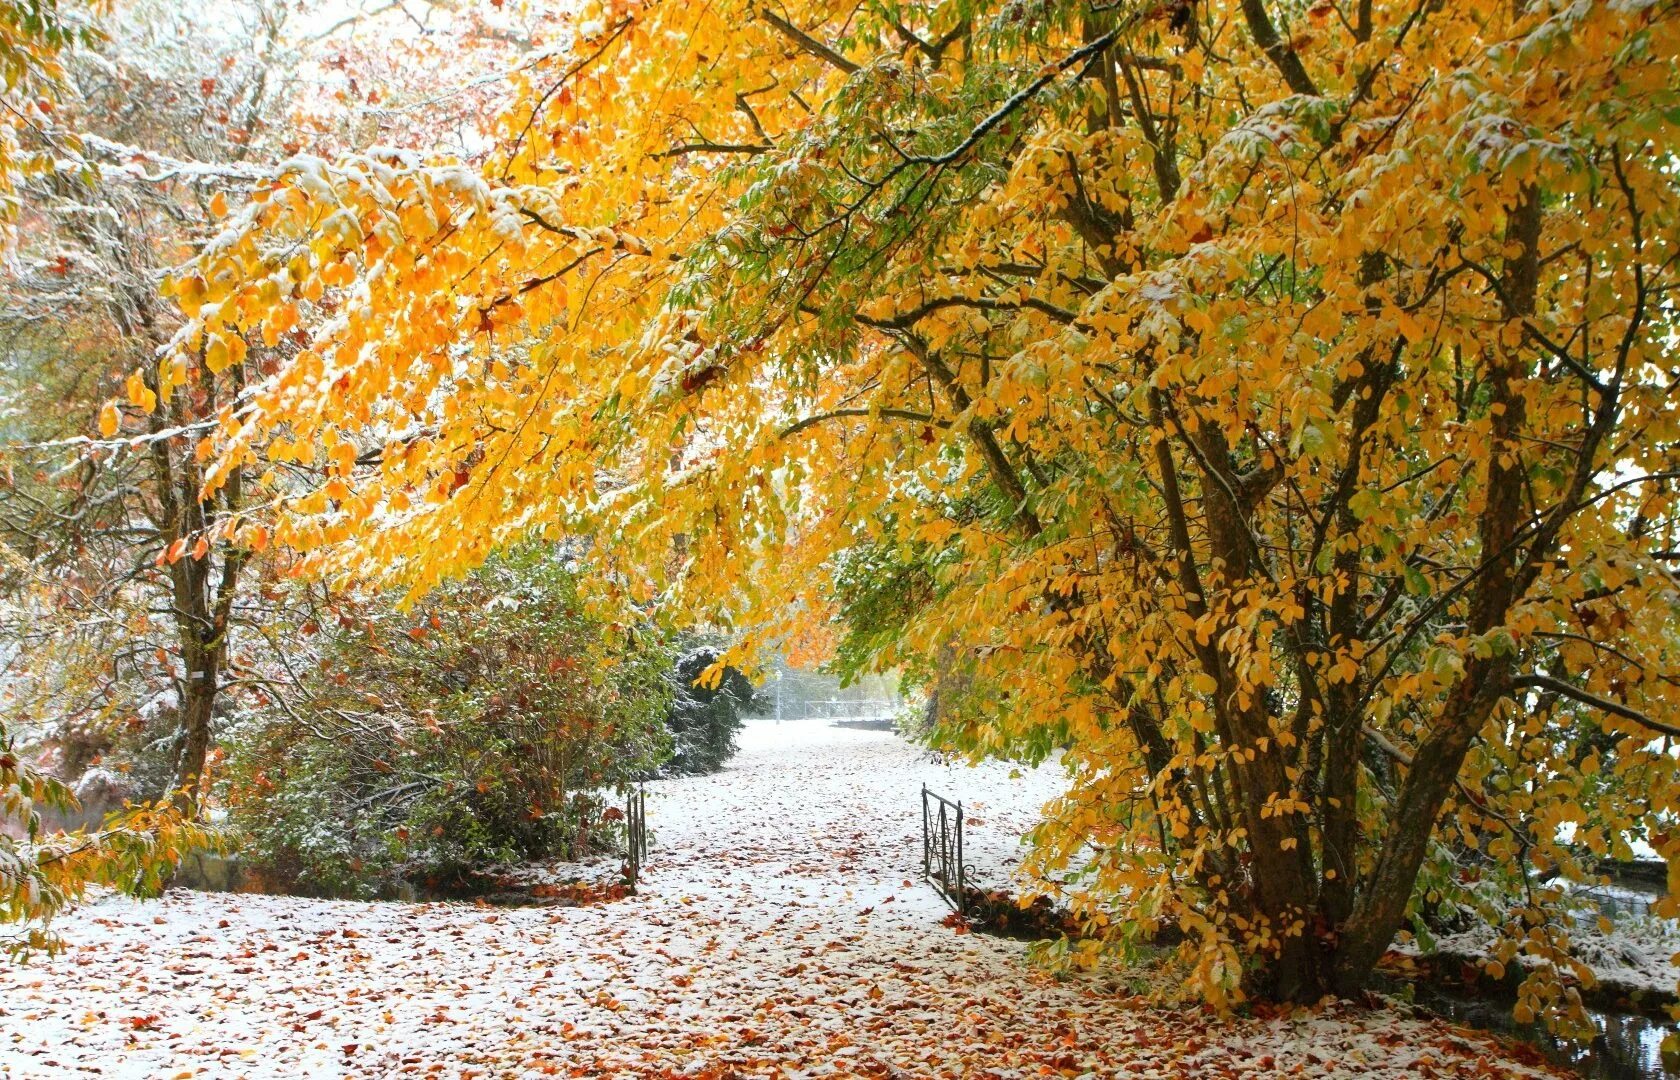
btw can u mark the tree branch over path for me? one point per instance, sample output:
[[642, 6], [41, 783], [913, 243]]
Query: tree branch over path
[[1603, 704], [806, 41], [836, 414]]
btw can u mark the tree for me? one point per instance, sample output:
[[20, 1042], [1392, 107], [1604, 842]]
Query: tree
[[1293, 384], [161, 619], [42, 873], [139, 567], [707, 703]]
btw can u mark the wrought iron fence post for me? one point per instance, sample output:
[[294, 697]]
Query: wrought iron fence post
[[635, 835], [942, 852], [631, 854], [962, 873], [945, 847], [927, 854]]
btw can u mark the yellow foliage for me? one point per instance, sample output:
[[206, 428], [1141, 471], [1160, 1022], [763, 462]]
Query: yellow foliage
[[1290, 432], [43, 873]]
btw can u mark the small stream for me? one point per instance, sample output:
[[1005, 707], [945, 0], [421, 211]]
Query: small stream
[[1627, 1046]]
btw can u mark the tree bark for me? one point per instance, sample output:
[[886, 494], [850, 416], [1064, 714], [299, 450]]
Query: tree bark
[[1381, 906], [198, 705]]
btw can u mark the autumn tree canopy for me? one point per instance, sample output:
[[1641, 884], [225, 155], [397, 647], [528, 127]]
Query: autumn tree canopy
[[1273, 403]]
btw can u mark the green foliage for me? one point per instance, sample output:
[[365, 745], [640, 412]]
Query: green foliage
[[488, 726], [704, 716], [879, 593]]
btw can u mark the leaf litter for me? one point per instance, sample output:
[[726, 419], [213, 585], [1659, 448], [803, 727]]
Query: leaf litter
[[781, 930]]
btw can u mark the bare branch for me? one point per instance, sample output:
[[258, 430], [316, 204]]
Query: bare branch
[[806, 41], [1592, 700]]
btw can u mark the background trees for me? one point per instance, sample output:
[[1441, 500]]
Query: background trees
[[152, 626], [129, 576], [706, 710], [144, 610], [1279, 397], [41, 870]]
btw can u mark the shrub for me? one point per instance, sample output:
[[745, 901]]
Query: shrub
[[489, 726], [703, 719]]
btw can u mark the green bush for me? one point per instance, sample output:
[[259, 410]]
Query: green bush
[[704, 719], [493, 724]]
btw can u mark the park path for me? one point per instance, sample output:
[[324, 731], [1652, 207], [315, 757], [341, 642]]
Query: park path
[[782, 930]]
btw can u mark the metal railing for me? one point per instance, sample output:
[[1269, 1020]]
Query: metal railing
[[942, 849], [835, 710], [1616, 905], [635, 833]]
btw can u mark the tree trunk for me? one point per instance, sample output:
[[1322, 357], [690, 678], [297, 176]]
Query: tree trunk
[[198, 703], [1381, 906]]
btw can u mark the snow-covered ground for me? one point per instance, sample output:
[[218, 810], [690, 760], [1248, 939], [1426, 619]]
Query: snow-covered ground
[[1637, 955], [782, 930]]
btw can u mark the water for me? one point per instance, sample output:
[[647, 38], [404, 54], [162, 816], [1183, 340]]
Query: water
[[1628, 1046]]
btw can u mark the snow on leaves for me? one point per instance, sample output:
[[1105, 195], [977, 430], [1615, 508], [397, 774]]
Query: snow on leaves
[[1283, 417]]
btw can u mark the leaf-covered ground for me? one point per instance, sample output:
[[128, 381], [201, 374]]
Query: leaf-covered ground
[[782, 931]]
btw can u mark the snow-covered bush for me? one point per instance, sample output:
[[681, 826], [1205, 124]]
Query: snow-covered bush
[[489, 725], [705, 716]]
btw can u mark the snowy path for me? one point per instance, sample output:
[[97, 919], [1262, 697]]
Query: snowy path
[[782, 931]]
